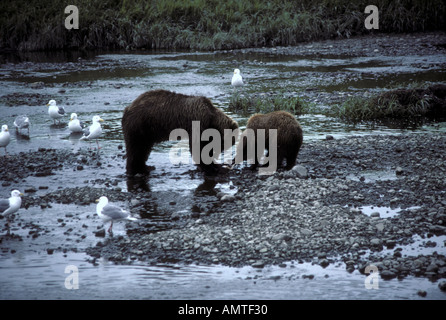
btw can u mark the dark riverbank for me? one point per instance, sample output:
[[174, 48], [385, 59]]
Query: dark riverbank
[[204, 25]]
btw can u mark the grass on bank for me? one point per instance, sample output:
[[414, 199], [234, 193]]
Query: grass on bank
[[401, 105], [246, 104], [404, 104], [204, 24], [359, 109]]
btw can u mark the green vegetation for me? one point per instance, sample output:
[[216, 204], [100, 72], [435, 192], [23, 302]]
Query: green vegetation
[[248, 104], [406, 104], [203, 24]]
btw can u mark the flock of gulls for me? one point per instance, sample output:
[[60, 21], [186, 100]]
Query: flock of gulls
[[55, 112], [106, 211]]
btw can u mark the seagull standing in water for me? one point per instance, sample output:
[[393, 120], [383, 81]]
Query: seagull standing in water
[[109, 212], [5, 137], [237, 80], [54, 111], [11, 205], [94, 131], [75, 125], [21, 122]]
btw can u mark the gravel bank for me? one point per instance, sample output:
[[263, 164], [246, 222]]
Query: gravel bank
[[313, 213]]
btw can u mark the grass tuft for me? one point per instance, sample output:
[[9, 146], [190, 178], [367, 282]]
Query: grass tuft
[[406, 104], [248, 104]]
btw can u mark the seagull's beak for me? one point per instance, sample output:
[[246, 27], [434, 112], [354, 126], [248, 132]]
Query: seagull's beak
[[47, 104], [6, 129], [97, 200], [101, 120], [21, 194]]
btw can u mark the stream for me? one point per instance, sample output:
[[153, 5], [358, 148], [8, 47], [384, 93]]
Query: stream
[[104, 83]]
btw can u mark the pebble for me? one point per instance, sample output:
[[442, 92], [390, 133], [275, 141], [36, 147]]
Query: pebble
[[324, 263], [258, 264], [101, 233], [422, 293], [227, 198], [387, 275], [300, 171], [442, 286]]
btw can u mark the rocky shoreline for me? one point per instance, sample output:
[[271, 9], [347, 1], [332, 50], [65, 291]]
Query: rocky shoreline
[[313, 213]]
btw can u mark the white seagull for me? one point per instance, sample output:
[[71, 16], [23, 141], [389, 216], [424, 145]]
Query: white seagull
[[237, 80], [5, 137], [11, 205], [108, 212], [21, 122], [94, 131], [75, 125], [54, 111]]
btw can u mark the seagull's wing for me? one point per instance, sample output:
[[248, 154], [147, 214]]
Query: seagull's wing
[[21, 122], [18, 122], [114, 212], [61, 111], [4, 205], [86, 131]]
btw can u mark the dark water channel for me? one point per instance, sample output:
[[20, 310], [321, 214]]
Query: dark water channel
[[103, 84]]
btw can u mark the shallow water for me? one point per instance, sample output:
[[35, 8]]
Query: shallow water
[[42, 276], [104, 84]]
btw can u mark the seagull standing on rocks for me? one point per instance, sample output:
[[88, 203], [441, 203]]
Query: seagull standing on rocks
[[21, 122], [54, 111], [237, 80], [11, 205], [5, 137], [94, 131], [108, 212]]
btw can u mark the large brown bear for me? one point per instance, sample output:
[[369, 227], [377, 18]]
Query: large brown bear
[[289, 139], [154, 114]]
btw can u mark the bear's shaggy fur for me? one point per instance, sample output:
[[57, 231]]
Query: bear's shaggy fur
[[289, 136], [154, 114]]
